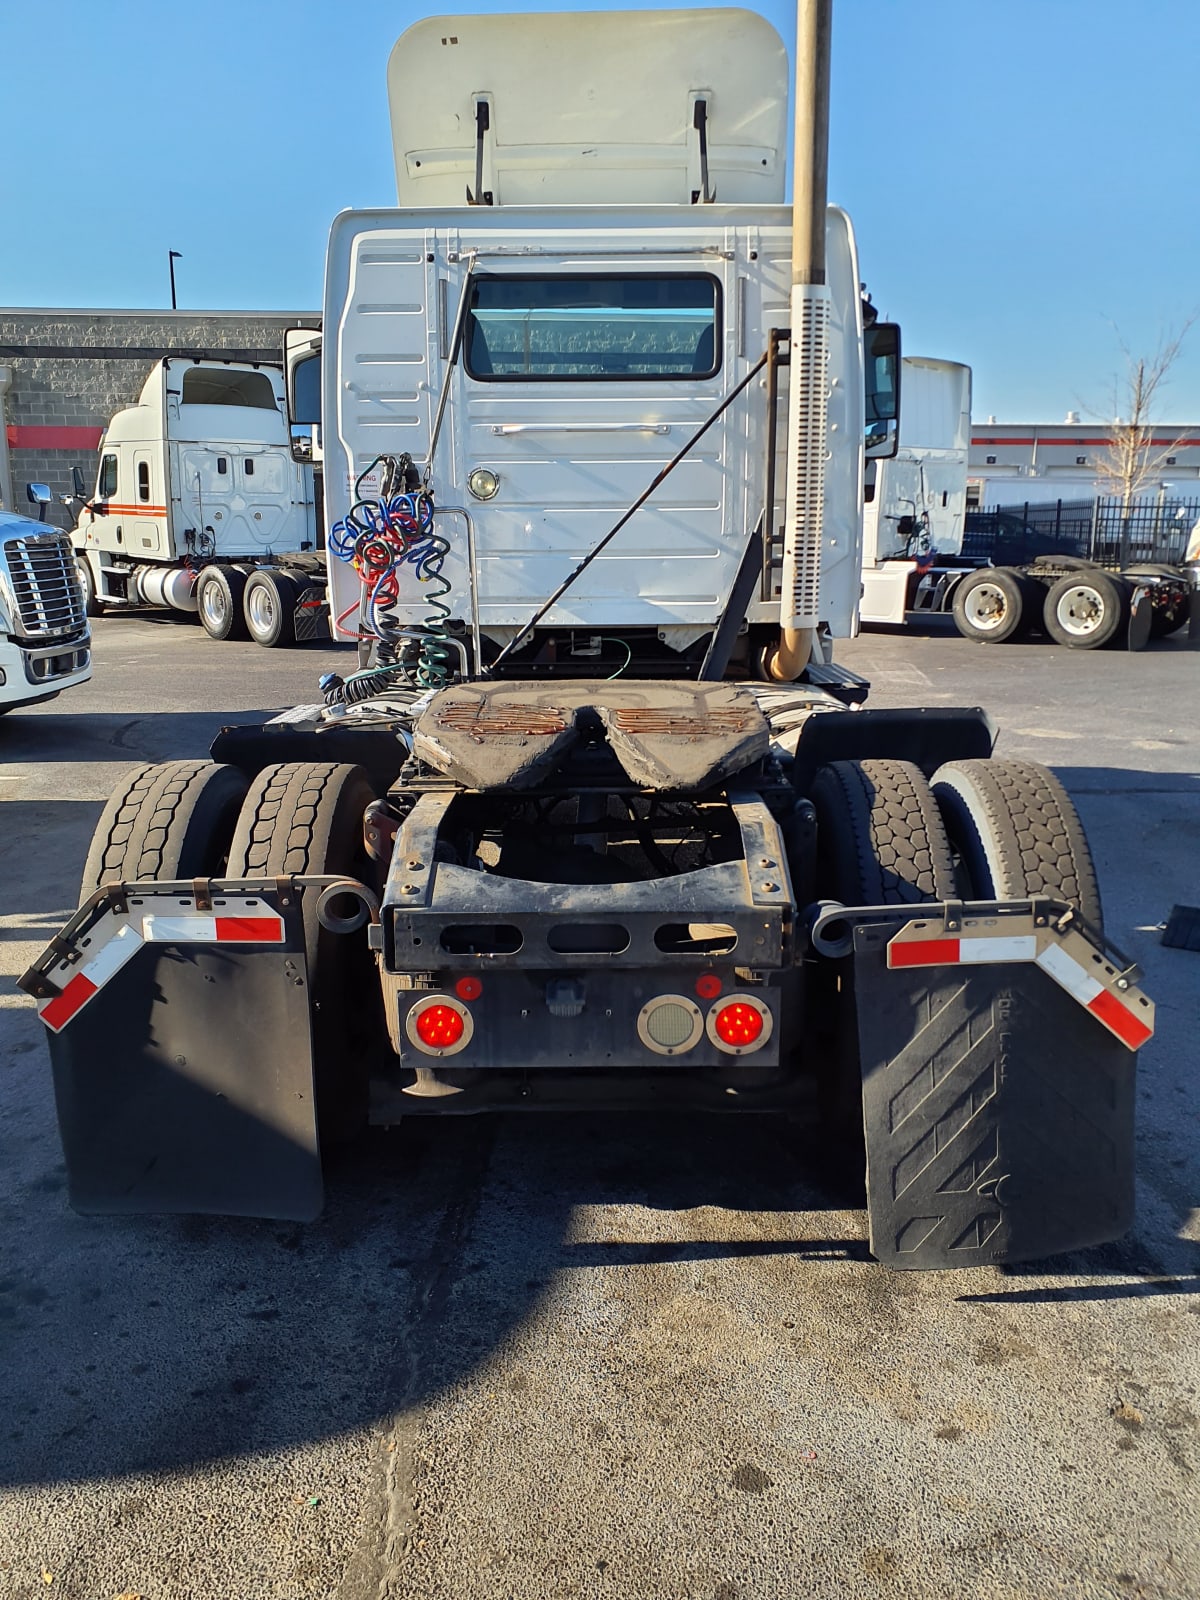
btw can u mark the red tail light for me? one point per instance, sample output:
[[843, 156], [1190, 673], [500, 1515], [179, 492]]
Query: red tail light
[[738, 1024], [439, 1027]]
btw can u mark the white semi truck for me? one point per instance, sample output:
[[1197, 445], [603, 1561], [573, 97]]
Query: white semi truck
[[917, 500], [913, 540], [45, 643], [594, 409], [199, 506]]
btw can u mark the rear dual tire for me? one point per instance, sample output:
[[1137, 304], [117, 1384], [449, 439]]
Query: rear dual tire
[[258, 604], [306, 818], [168, 821], [1016, 833], [983, 830]]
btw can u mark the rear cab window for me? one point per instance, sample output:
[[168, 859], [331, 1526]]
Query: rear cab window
[[570, 327]]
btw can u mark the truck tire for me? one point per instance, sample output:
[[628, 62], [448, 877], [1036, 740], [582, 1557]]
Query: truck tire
[[1086, 610], [307, 817], [87, 583], [219, 592], [270, 607], [990, 606], [1016, 833], [880, 841], [880, 838], [171, 820]]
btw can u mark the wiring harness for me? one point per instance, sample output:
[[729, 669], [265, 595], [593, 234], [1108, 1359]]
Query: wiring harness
[[379, 538]]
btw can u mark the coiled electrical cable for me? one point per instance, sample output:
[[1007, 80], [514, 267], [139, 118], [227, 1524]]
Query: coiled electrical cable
[[379, 537]]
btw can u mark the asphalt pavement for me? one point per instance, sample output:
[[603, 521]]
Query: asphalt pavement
[[603, 1356]]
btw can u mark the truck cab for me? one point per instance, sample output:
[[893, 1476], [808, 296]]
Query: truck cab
[[198, 474]]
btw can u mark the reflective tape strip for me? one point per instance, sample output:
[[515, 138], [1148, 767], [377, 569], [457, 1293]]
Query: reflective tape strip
[[1117, 1017], [1010, 947], [1128, 1027], [1067, 972], [213, 930], [966, 952], [89, 978], [923, 952]]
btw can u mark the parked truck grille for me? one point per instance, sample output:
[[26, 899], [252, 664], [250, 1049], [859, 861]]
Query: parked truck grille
[[45, 586]]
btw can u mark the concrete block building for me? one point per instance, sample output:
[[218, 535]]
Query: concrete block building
[[64, 373]]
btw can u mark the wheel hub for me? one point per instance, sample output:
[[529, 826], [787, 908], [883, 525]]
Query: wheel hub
[[212, 604], [1081, 610], [986, 606], [262, 610]]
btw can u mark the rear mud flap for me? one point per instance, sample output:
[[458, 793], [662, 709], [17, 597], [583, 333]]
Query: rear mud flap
[[998, 1113], [182, 1059]]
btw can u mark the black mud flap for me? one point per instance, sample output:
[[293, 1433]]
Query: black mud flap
[[184, 1079], [999, 1113]]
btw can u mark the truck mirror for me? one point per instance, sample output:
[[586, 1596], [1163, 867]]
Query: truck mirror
[[302, 360], [881, 355], [78, 484], [39, 495]]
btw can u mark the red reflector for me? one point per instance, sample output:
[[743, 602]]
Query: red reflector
[[738, 1024], [64, 1006], [468, 988], [923, 953], [439, 1027], [249, 930], [708, 986], [1131, 1030]]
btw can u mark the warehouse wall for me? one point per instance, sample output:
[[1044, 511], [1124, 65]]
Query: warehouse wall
[[72, 369]]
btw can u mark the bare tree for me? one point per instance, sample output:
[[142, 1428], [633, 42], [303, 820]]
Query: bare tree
[[1132, 457]]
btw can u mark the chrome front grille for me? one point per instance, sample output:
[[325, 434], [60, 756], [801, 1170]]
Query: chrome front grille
[[41, 568]]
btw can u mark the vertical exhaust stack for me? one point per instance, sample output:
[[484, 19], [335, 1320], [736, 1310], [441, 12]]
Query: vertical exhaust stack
[[800, 603]]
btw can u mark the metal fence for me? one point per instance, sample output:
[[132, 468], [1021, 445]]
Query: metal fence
[[1103, 529]]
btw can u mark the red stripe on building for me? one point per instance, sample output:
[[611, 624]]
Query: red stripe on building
[[64, 1006], [21, 437], [1060, 441]]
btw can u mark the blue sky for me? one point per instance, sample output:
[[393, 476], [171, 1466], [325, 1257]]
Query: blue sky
[[1022, 173]]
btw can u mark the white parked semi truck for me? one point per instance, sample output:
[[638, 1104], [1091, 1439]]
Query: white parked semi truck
[[917, 499], [45, 643], [913, 542], [199, 506], [582, 830]]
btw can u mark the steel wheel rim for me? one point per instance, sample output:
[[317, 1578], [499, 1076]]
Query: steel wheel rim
[[986, 607], [260, 605], [1080, 610], [212, 605]]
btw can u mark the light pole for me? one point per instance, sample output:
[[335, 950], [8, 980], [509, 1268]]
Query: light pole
[[172, 257]]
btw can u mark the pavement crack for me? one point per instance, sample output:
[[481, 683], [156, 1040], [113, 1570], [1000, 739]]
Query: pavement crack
[[434, 1280]]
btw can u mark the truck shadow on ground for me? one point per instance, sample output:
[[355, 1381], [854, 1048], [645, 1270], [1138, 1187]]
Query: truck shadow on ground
[[153, 1345], [134, 736]]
